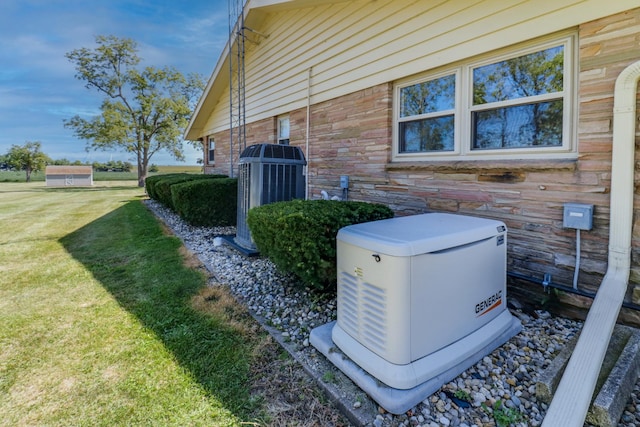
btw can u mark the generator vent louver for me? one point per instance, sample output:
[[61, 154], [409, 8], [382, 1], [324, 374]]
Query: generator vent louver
[[267, 173], [363, 309]]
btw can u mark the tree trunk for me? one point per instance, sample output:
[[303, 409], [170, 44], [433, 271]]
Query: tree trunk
[[142, 173], [142, 167], [28, 171]]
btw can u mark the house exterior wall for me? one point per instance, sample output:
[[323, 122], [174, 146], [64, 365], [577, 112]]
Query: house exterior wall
[[351, 134], [257, 132], [354, 45]]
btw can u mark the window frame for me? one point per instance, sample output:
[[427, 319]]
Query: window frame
[[211, 148], [280, 140], [464, 108], [430, 115]]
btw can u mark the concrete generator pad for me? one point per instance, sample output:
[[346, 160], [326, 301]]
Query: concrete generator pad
[[391, 399]]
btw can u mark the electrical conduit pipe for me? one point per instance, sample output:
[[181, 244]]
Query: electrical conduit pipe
[[573, 397], [307, 196]]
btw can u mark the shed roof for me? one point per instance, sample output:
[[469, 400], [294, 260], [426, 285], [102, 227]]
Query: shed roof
[[68, 170]]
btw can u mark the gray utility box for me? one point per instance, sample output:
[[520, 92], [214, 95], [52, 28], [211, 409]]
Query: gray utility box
[[267, 173], [578, 216]]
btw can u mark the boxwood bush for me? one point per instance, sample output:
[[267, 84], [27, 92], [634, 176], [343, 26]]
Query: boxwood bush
[[210, 202], [162, 187], [299, 236], [151, 181]]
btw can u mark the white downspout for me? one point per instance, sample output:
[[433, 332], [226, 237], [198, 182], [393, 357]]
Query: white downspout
[[573, 397]]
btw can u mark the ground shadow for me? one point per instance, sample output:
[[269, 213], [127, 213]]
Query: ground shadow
[[43, 189], [142, 268], [85, 189]]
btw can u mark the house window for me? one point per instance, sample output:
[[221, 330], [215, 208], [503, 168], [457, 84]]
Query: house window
[[212, 149], [519, 103], [283, 130], [427, 115]]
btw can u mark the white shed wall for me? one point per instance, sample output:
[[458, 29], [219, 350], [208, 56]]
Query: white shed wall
[[73, 180]]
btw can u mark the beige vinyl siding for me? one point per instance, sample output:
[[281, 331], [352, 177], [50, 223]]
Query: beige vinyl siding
[[353, 45]]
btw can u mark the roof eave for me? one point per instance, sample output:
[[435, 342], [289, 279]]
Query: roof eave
[[253, 10]]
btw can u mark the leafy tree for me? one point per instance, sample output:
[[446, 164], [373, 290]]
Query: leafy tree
[[144, 111], [4, 164], [27, 157], [114, 166]]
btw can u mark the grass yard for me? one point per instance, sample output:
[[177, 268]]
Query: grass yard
[[97, 318], [20, 176]]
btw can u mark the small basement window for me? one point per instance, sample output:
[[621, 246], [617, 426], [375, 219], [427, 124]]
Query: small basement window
[[212, 148], [283, 130]]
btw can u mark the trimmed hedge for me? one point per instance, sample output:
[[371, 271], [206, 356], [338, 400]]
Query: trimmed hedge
[[210, 203], [299, 236], [163, 186], [151, 181]]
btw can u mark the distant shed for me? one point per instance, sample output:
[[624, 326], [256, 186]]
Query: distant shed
[[69, 176]]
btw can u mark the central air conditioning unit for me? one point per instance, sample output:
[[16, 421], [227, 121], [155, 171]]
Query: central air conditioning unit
[[420, 299], [267, 173]]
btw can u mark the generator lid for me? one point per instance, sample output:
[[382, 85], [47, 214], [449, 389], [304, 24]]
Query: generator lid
[[420, 234]]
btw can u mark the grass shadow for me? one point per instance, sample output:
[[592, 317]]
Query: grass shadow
[[85, 189], [143, 268], [17, 187]]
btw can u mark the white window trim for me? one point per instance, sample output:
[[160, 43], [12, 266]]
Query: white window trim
[[463, 92], [278, 130], [211, 142]]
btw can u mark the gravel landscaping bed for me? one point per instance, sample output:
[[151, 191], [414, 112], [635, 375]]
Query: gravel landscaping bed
[[498, 390]]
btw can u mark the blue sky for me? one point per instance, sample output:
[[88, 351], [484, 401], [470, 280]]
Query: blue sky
[[38, 88]]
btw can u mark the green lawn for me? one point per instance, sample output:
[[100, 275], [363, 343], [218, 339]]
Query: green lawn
[[20, 176], [97, 327]]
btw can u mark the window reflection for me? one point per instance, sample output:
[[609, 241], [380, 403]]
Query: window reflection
[[427, 111], [434, 134], [515, 102], [537, 73], [529, 125], [524, 123], [428, 97]]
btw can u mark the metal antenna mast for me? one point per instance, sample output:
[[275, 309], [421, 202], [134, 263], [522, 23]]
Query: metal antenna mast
[[237, 134]]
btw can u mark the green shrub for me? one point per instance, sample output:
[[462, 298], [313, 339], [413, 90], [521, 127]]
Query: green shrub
[[163, 186], [299, 236], [210, 202], [151, 181]]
